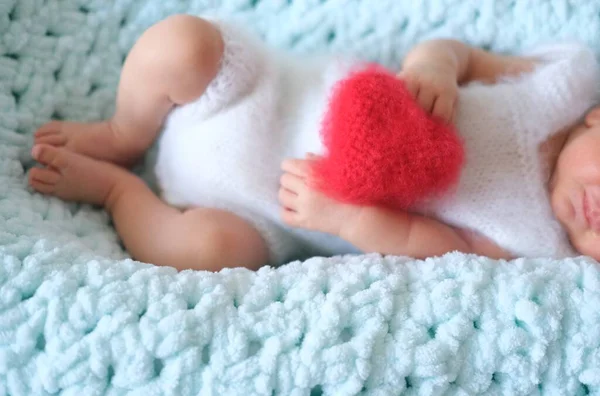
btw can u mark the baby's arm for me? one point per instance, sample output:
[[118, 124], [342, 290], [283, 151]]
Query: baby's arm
[[466, 63], [434, 69]]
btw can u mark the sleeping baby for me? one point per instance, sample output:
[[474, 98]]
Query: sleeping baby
[[227, 111], [531, 182]]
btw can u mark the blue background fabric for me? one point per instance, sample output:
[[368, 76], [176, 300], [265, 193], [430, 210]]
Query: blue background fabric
[[78, 317]]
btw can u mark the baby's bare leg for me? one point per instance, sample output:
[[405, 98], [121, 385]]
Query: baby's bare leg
[[171, 64], [372, 229], [152, 231]]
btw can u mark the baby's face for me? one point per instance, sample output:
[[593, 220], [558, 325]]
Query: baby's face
[[575, 186]]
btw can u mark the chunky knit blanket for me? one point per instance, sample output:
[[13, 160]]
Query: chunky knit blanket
[[77, 317]]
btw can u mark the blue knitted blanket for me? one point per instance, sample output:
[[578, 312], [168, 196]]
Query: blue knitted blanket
[[77, 317]]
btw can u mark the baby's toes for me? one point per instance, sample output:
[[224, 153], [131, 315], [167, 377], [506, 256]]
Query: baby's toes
[[50, 133], [49, 156], [49, 128], [287, 199], [289, 217], [44, 180], [56, 139]]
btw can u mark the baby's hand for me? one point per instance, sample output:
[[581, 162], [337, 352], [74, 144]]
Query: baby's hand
[[434, 87]]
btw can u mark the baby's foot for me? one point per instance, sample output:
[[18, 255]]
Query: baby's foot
[[306, 207], [74, 177], [99, 140]]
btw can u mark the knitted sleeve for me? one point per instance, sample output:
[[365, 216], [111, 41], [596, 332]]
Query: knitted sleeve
[[560, 91]]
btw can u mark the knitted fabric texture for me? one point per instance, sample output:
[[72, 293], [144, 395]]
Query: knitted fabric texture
[[382, 147], [503, 189], [78, 318], [225, 149]]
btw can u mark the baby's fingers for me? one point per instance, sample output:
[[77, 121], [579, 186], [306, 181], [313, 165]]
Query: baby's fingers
[[443, 108], [426, 98], [411, 85]]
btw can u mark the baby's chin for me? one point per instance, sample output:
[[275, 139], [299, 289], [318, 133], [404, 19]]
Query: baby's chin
[[587, 244]]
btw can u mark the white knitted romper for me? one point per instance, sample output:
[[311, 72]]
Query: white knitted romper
[[502, 192], [225, 149]]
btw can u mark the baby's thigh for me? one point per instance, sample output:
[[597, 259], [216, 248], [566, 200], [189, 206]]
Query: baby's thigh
[[219, 239], [178, 56]]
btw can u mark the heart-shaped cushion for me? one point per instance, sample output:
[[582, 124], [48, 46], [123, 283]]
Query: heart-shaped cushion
[[382, 148]]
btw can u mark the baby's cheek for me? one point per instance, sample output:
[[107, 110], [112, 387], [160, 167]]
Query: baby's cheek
[[559, 203], [583, 162]]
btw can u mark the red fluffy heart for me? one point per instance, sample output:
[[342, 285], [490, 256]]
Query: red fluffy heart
[[382, 147]]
